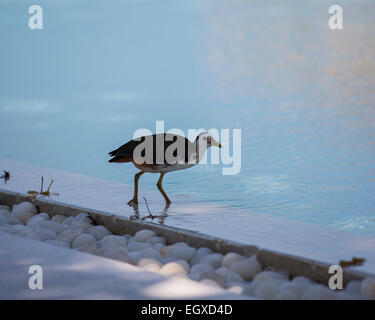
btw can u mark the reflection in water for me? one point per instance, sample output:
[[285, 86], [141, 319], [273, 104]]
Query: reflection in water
[[159, 217]]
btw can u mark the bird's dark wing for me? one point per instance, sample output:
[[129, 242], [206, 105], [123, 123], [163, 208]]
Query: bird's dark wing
[[156, 142]]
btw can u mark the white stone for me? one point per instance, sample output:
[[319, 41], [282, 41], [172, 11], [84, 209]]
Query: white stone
[[353, 287], [150, 253], [199, 254], [202, 268], [286, 295], [18, 230], [83, 217], [175, 268], [230, 258], [368, 287], [267, 290], [99, 232], [52, 225], [154, 240], [59, 243], [180, 252], [247, 268], [38, 218], [116, 253], [15, 221], [5, 210], [158, 246], [114, 241], [24, 211], [318, 292], [298, 288], [68, 220], [138, 246], [210, 282], [144, 235], [134, 256], [41, 234], [149, 264], [89, 249], [213, 259], [301, 279], [58, 218], [83, 240], [69, 235], [81, 224], [236, 288], [3, 219]]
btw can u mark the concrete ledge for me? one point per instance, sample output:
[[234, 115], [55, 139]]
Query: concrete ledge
[[295, 265]]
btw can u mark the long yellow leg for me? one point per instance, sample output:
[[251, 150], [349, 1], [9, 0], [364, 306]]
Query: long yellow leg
[[135, 196], [160, 187]]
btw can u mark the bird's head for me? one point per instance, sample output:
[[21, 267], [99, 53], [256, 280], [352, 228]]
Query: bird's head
[[208, 139]]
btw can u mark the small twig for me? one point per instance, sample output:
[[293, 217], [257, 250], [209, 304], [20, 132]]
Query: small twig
[[150, 214]]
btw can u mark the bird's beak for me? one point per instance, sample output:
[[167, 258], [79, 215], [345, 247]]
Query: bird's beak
[[215, 143]]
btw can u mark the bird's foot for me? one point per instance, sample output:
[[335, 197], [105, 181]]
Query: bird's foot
[[133, 202]]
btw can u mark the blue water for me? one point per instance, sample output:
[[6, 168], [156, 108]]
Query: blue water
[[302, 94]]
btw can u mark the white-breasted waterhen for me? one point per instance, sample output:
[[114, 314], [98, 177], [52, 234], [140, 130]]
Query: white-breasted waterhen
[[162, 153]]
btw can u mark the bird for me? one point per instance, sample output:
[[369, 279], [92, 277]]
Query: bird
[[162, 153]]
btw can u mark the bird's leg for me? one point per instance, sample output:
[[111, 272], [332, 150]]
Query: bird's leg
[[160, 187], [135, 196]]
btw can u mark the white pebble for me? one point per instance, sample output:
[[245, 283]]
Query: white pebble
[[58, 218], [175, 268], [17, 230], [134, 256], [286, 295], [213, 259], [24, 211], [230, 258], [144, 235], [353, 287], [210, 282], [5, 210], [301, 279], [247, 268], [158, 246], [138, 246], [83, 217], [3, 219], [154, 240], [68, 220], [180, 252], [81, 224], [69, 235], [318, 292], [59, 243], [202, 268], [116, 253], [15, 221], [149, 264], [267, 290], [99, 232], [42, 234], [82, 240], [38, 218], [47, 224], [199, 254], [114, 241], [150, 253], [89, 249], [368, 287]]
